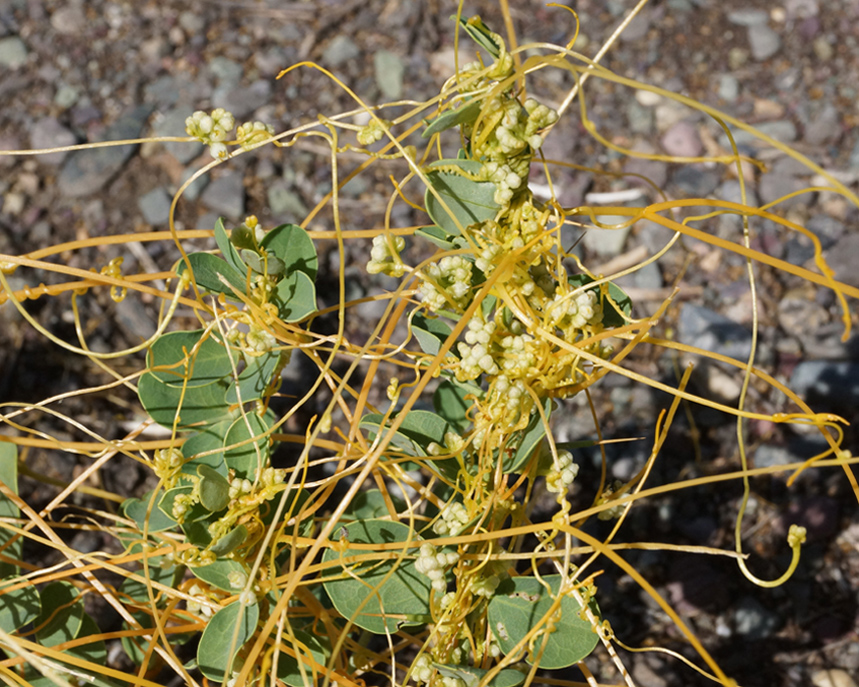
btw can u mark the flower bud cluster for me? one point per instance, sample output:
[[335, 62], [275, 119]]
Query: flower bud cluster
[[562, 474], [510, 402], [422, 669], [519, 356], [251, 134], [181, 504], [240, 487], [489, 255], [166, 463], [385, 256], [577, 313], [200, 605], [505, 179], [259, 340], [453, 444], [211, 129], [454, 518], [432, 563], [448, 281], [373, 132], [475, 350]]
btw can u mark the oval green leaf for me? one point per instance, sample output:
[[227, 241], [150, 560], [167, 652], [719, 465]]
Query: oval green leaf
[[228, 629], [378, 596], [8, 509], [291, 243], [468, 201], [227, 245], [61, 615], [431, 333], [254, 380], [214, 489], [251, 455], [467, 112], [295, 297], [17, 606], [230, 541], [208, 270], [218, 574], [200, 405], [311, 646], [136, 509], [521, 603], [170, 359]]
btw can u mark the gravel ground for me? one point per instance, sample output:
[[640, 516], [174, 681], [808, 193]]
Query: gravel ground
[[85, 71]]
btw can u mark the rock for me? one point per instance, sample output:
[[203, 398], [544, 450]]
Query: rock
[[775, 186], [819, 515], [748, 17], [797, 450], [226, 195], [155, 206], [639, 118], [752, 620], [87, 171], [66, 96], [696, 180], [194, 190], [682, 140], [764, 42], [835, 383], [47, 132], [798, 316], [227, 72], [390, 69], [823, 48], [843, 257], [134, 320], [701, 327], [172, 123], [13, 52], [69, 20], [637, 28], [285, 203], [832, 677], [192, 22], [825, 127], [243, 100], [607, 243], [654, 170], [729, 87], [340, 50]]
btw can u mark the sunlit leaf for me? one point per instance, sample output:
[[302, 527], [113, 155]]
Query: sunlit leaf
[[520, 604], [136, 509], [222, 574], [254, 380], [397, 600], [469, 201], [316, 647], [19, 603], [9, 477], [252, 455], [199, 405], [523, 443], [295, 297], [431, 333], [214, 489], [227, 244], [230, 627], [481, 34], [290, 243], [170, 359], [208, 270], [465, 113]]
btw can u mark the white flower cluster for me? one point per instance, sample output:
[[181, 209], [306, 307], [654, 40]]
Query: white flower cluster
[[211, 129], [476, 358], [422, 669], [562, 474], [513, 398], [200, 605], [432, 563], [505, 179], [453, 443], [453, 520], [240, 487], [485, 585], [518, 354], [447, 280], [583, 310], [485, 262], [259, 340], [250, 134], [181, 504], [385, 256]]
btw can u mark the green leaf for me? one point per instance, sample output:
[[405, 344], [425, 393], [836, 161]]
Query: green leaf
[[613, 315], [136, 510], [200, 405], [230, 541], [255, 379], [437, 236], [249, 457], [227, 245], [295, 297], [287, 666], [531, 437], [136, 586], [8, 509], [244, 237], [450, 402], [290, 243], [368, 505], [263, 264], [464, 114], [207, 439], [197, 533], [472, 677], [430, 333], [481, 34], [469, 201], [18, 607], [230, 627], [218, 574], [61, 615], [209, 268], [94, 652], [418, 429], [169, 356], [520, 604], [214, 489], [398, 601], [194, 513]]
